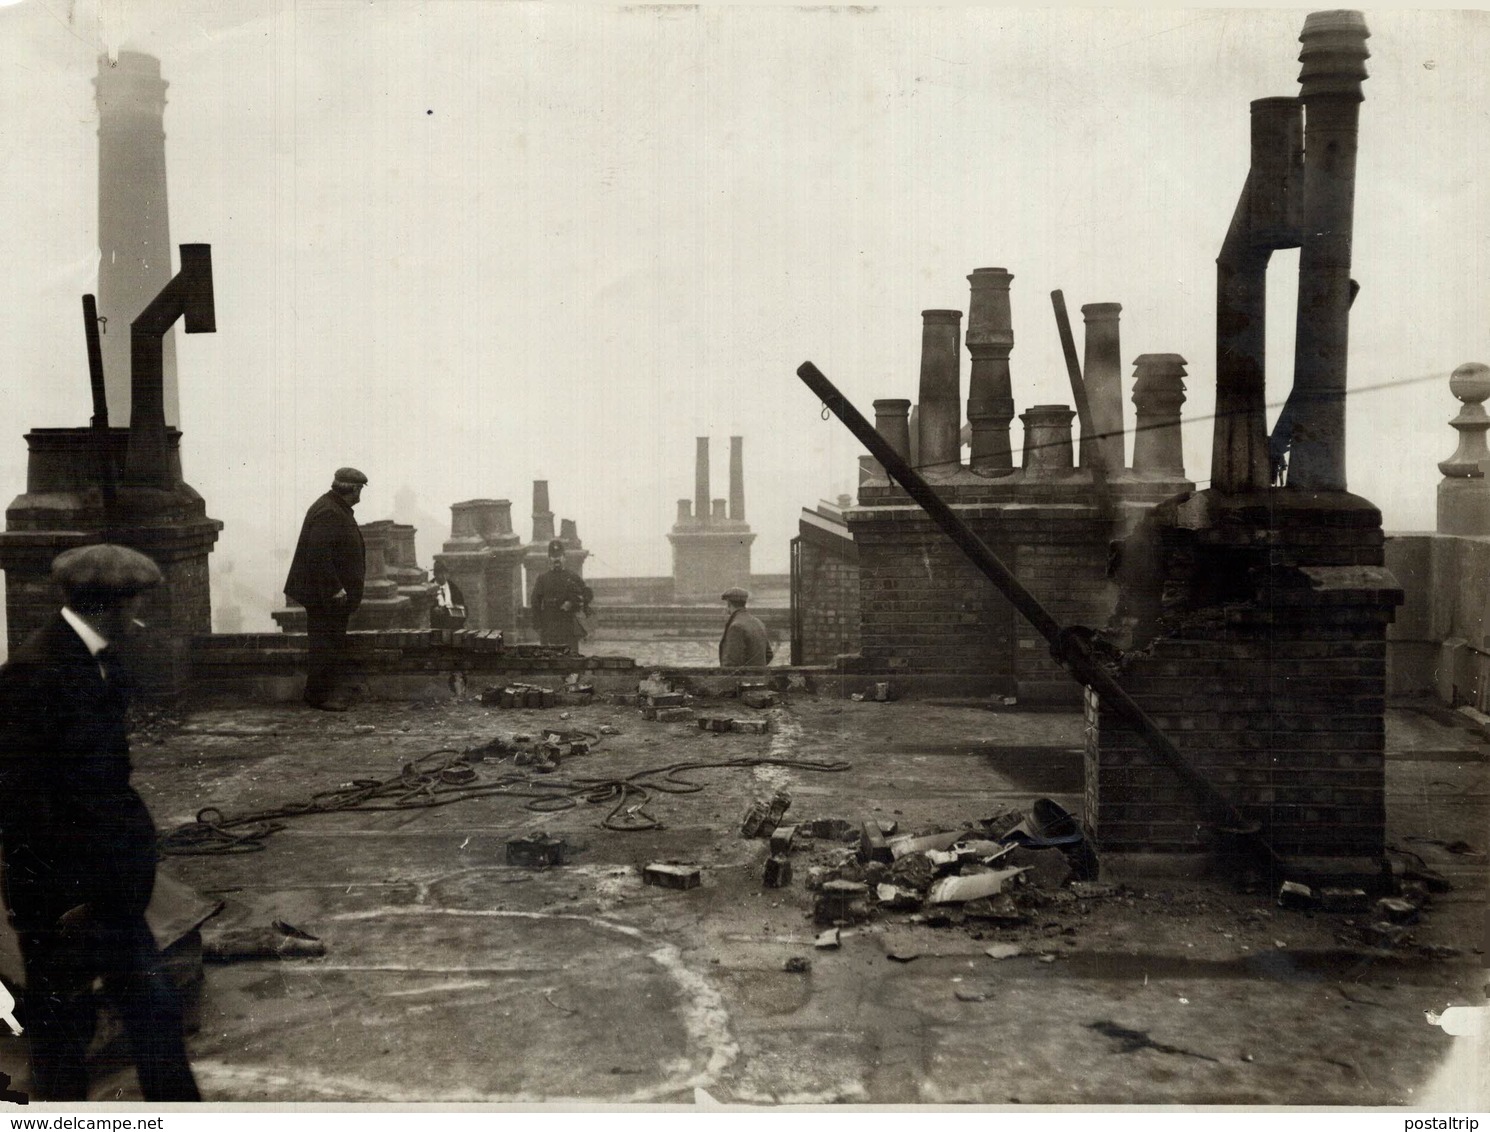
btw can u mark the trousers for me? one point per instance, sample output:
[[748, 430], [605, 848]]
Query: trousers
[[326, 646], [61, 966]]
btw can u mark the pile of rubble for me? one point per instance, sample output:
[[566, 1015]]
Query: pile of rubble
[[520, 695], [660, 701], [996, 871]]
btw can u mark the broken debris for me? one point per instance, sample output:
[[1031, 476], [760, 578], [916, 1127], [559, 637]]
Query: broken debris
[[278, 941]]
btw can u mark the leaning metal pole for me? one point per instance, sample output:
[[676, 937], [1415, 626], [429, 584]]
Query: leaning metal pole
[[1069, 646]]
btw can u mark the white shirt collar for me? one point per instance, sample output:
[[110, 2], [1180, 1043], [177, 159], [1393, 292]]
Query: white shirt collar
[[87, 632]]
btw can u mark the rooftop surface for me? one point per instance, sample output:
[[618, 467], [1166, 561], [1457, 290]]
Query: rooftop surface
[[452, 976]]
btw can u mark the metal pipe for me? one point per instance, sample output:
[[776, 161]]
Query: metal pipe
[[188, 296], [1071, 647], [100, 421]]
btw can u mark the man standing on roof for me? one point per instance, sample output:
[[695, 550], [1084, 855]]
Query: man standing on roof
[[745, 643], [559, 597], [326, 577]]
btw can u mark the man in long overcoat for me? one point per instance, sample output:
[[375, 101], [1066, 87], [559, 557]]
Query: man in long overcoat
[[326, 577], [559, 597], [80, 846], [745, 643]]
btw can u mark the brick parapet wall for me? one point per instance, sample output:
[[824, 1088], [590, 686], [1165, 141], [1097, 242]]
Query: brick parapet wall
[[926, 610]]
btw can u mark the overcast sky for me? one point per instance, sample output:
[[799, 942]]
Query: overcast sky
[[465, 245]]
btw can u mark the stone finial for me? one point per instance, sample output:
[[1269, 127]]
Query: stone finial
[[1471, 384], [1464, 493], [1158, 393]]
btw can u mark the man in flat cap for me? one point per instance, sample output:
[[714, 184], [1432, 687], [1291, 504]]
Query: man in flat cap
[[559, 597], [326, 577], [79, 843], [745, 643]]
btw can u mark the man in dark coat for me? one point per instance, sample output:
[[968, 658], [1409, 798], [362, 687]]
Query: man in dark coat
[[559, 596], [326, 577], [744, 643], [79, 843], [449, 609]]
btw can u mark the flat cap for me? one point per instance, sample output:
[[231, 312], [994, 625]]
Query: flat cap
[[349, 475], [736, 595], [104, 569], [556, 546]]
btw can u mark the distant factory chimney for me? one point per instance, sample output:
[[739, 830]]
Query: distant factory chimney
[[701, 480], [134, 237], [737, 478]]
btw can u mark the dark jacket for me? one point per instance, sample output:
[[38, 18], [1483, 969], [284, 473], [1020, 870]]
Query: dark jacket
[[329, 556], [745, 643], [554, 590], [74, 830]]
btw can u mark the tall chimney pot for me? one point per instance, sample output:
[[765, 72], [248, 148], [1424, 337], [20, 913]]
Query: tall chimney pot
[[990, 395], [940, 391]]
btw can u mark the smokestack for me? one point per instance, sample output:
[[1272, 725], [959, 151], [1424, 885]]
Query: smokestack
[[543, 517], [1334, 66], [940, 401], [1266, 219], [701, 480], [1101, 371], [990, 395], [737, 478], [134, 237]]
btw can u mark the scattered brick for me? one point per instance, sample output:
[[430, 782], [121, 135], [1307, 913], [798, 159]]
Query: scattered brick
[[778, 872], [536, 852], [671, 876]]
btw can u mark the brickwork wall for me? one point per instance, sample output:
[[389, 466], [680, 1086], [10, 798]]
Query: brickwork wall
[[829, 601], [1290, 730], [925, 609], [1269, 674], [1067, 573]]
